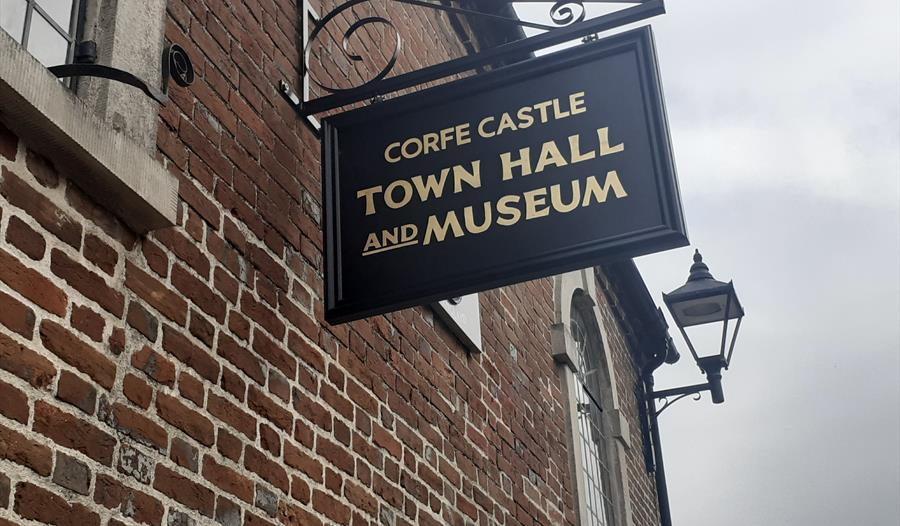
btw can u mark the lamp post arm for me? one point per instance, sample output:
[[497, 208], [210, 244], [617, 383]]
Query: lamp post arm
[[680, 391]]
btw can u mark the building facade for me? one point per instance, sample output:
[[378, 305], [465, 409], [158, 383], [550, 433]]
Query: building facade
[[164, 359]]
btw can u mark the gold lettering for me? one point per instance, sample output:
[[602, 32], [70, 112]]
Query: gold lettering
[[417, 148], [542, 107], [482, 131], [525, 118], [577, 156], [387, 153], [550, 155], [504, 207], [369, 194], [506, 123], [472, 178], [469, 215], [557, 112], [524, 163], [556, 198], [389, 194], [605, 148], [593, 189], [446, 136], [534, 199], [462, 134], [410, 232], [371, 243], [431, 143], [432, 185], [435, 229], [576, 103]]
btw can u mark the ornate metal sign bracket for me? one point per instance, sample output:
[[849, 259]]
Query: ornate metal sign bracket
[[569, 22]]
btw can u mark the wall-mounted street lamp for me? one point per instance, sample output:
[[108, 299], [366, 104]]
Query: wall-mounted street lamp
[[703, 300]]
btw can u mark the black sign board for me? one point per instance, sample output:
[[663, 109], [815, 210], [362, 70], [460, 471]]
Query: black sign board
[[546, 166]]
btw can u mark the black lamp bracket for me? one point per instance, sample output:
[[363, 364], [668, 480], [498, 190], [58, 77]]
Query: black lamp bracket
[[666, 401], [176, 65], [568, 21]]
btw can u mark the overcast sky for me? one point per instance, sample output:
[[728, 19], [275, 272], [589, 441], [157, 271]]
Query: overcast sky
[[785, 118]]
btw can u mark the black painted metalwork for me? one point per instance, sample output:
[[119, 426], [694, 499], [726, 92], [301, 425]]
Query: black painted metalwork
[[176, 65], [569, 22]]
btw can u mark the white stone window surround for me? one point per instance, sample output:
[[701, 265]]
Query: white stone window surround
[[103, 133], [581, 284]]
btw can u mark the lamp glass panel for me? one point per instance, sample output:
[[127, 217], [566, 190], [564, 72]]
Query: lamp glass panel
[[699, 311], [706, 339], [12, 17]]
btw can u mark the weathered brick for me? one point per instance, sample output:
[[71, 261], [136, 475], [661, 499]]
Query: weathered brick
[[299, 459], [189, 354], [229, 413], [191, 422], [227, 512], [227, 479], [73, 433], [202, 329], [4, 492], [98, 215], [228, 445], [36, 503], [17, 316], [184, 454], [192, 389], [137, 391], [193, 495], [41, 168], [13, 403], [275, 354], [330, 507], [154, 365], [184, 249], [90, 284], [137, 505], [268, 409], [25, 238], [137, 426], [198, 292], [262, 315], [100, 253], [22, 450], [142, 320], [272, 472], [73, 390], [156, 294], [241, 358], [72, 474], [32, 284], [136, 464], [25, 363], [44, 211], [78, 354], [87, 321]]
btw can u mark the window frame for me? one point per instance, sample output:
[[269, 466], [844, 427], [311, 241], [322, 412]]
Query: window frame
[[71, 35]]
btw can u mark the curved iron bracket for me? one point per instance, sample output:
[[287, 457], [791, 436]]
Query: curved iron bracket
[[666, 402], [176, 65], [568, 22]]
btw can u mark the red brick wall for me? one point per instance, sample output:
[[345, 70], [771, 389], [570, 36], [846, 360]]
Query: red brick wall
[[188, 376]]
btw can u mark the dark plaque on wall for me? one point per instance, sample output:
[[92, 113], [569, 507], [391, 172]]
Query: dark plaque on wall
[[546, 166]]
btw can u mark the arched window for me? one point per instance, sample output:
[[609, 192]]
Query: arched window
[[597, 508]]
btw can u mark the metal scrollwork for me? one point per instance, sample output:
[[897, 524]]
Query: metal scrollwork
[[666, 402], [346, 47], [564, 13]]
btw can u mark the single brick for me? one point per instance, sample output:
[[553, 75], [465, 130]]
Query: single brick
[[198, 292], [72, 474], [36, 503], [25, 363], [32, 284], [73, 390], [191, 388], [17, 316], [142, 320], [87, 321], [154, 366], [270, 471], [135, 464], [59, 223], [227, 512], [9, 143], [25, 238], [184, 454], [116, 341], [189, 354], [241, 358], [228, 445], [101, 254], [229, 413], [73, 433], [156, 294], [202, 329], [87, 282], [181, 416], [137, 426], [78, 354], [41, 168], [183, 490], [227, 479], [137, 391], [17, 448], [137, 505]]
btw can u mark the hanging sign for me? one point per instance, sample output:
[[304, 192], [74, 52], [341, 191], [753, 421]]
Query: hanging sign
[[543, 167]]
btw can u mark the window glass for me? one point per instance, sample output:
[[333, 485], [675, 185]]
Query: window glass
[[595, 475], [60, 11], [12, 17], [45, 42]]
